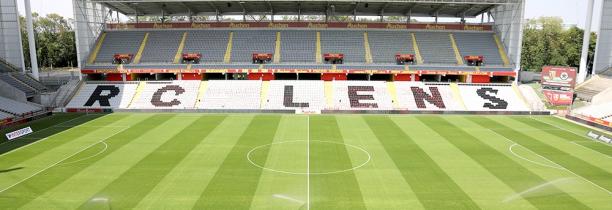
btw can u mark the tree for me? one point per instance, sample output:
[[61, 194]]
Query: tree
[[55, 41], [546, 42]]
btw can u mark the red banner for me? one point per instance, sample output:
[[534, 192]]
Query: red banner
[[559, 98], [560, 77], [204, 25], [318, 71]]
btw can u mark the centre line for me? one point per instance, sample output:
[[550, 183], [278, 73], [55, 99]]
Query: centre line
[[308, 163]]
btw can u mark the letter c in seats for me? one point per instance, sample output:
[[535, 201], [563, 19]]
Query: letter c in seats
[[102, 99], [156, 99]]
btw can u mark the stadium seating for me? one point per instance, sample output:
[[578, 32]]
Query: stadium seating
[[210, 43], [292, 94], [9, 106], [479, 44], [385, 44], [436, 48], [4, 115], [298, 46], [107, 95], [232, 94], [167, 95], [247, 42], [283, 94], [161, 47], [361, 95], [424, 96], [592, 87], [348, 42], [119, 42], [6, 66], [601, 111], [478, 97], [11, 80]]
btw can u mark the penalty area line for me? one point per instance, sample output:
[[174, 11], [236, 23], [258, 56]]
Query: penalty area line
[[60, 161], [562, 167], [576, 143]]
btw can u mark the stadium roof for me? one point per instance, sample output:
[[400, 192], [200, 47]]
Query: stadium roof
[[414, 8]]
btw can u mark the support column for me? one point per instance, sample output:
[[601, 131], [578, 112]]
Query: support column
[[582, 73], [31, 41]]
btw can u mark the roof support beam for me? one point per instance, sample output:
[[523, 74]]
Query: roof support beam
[[436, 11], [487, 9], [461, 13]]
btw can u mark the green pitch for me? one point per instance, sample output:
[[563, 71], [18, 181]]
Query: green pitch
[[197, 161]]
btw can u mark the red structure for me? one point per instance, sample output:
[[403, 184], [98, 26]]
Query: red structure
[[404, 58], [122, 58], [262, 57], [333, 58], [474, 60], [192, 57]]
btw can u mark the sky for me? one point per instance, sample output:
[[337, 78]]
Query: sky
[[573, 12]]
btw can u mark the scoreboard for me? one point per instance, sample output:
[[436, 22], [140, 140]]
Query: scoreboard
[[558, 84]]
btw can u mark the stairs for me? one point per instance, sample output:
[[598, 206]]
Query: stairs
[[329, 94], [179, 51], [318, 55], [201, 93], [456, 50], [457, 95], [393, 93], [417, 52], [94, 54], [143, 44], [277, 48], [366, 46], [139, 89], [228, 51], [502, 51], [265, 86]]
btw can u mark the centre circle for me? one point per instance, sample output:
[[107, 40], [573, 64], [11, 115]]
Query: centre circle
[[308, 157]]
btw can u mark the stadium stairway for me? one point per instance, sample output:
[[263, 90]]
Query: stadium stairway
[[201, 93], [139, 89], [366, 47], [329, 94], [141, 49], [417, 51], [318, 51], [519, 94], [456, 49], [179, 51], [501, 49], [265, 86], [228, 51], [457, 95], [96, 50], [393, 93], [277, 48]]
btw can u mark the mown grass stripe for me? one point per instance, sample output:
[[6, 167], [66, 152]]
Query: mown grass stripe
[[337, 190], [150, 170], [57, 136], [236, 180], [519, 178], [32, 188], [432, 186], [575, 165], [566, 135]]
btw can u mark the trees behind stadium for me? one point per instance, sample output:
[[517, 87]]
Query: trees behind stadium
[[546, 41], [55, 41]]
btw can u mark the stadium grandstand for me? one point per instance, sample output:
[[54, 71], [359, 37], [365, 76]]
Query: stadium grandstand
[[276, 104]]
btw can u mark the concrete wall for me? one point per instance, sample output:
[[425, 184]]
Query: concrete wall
[[11, 92], [10, 38], [603, 55]]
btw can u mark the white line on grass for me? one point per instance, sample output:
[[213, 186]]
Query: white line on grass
[[564, 168], [576, 143], [534, 162], [43, 139], [87, 158], [565, 129], [62, 160], [308, 163]]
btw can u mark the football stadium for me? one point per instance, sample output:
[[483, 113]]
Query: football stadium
[[275, 104]]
